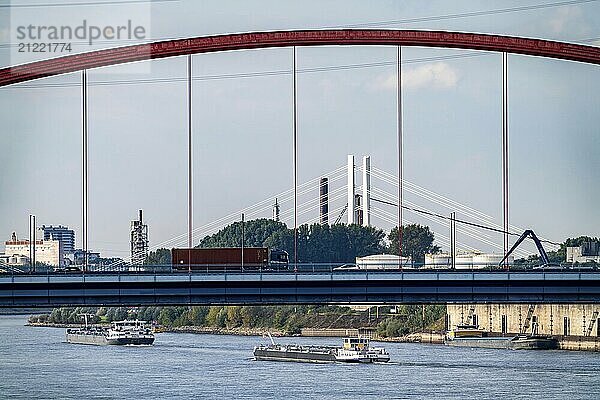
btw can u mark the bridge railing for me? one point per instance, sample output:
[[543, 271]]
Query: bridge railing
[[300, 268]]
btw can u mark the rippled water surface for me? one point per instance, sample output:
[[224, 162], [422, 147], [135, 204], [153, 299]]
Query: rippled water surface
[[36, 363]]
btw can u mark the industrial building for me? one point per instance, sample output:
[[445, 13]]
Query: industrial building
[[48, 252], [586, 253], [139, 241], [61, 233]]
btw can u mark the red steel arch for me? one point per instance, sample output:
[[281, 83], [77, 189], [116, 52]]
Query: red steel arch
[[208, 44]]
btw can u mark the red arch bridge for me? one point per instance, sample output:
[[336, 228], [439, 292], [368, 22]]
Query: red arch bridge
[[301, 287]]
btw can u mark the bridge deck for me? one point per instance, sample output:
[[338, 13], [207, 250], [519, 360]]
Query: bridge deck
[[298, 288]]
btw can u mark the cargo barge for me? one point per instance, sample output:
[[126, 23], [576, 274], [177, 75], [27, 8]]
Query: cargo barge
[[354, 350], [119, 333], [472, 336]]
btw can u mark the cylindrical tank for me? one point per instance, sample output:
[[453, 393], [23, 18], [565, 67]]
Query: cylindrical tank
[[489, 260], [442, 260], [464, 261], [382, 261]]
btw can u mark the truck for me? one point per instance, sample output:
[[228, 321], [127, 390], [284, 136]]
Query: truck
[[223, 259]]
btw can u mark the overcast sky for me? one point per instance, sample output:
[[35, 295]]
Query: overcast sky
[[243, 123]]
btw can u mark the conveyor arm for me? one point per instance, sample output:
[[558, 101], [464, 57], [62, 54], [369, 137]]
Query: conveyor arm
[[538, 244]]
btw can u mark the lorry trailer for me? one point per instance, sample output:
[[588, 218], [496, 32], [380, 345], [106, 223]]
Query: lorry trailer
[[228, 259]]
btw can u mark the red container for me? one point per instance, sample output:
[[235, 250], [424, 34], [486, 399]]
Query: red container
[[219, 258]]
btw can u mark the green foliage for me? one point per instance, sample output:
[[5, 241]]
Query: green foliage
[[555, 257], [116, 314], [412, 318], [392, 327], [316, 243], [574, 242], [71, 315], [159, 257], [290, 319], [256, 233], [417, 240], [197, 315], [330, 243]]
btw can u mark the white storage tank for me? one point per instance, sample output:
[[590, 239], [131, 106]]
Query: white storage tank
[[464, 260], [490, 260], [440, 260], [382, 261]]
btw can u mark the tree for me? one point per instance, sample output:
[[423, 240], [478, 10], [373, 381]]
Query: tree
[[574, 242], [159, 257], [256, 232], [197, 315], [556, 257], [234, 317], [167, 316], [417, 240], [325, 243]]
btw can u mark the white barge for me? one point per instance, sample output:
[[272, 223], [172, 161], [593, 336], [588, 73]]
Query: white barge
[[119, 333], [354, 350]]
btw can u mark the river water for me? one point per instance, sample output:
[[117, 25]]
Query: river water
[[36, 363]]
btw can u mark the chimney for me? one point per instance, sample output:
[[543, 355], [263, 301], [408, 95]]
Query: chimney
[[276, 211], [366, 186], [351, 190], [324, 201]]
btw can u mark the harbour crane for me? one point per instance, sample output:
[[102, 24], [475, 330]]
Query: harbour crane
[[529, 233]]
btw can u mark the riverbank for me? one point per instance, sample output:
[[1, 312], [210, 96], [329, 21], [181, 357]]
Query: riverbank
[[53, 325], [223, 331], [570, 343], [419, 337]]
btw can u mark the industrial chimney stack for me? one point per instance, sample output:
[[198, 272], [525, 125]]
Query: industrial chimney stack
[[351, 191], [276, 211], [139, 241], [324, 201], [366, 186]]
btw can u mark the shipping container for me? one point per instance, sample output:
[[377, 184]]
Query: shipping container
[[227, 259]]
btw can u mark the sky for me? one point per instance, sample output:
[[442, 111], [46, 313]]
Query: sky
[[242, 120]]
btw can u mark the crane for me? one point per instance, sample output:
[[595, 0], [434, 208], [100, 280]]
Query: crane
[[538, 244], [339, 218]]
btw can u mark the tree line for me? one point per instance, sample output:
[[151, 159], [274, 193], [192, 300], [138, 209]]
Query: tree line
[[285, 318], [339, 243]]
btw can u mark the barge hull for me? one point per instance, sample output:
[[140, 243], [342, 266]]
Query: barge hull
[[100, 340], [273, 355]]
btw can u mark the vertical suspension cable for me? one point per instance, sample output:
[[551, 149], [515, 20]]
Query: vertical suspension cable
[[84, 160], [295, 160], [505, 171], [189, 101], [400, 151]]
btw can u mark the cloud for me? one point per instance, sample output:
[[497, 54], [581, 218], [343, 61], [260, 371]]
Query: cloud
[[439, 75], [4, 35], [567, 19]]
